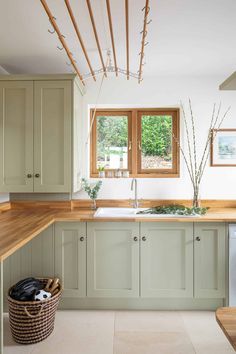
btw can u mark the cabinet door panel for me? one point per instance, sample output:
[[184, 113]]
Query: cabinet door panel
[[209, 260], [16, 136], [113, 259], [167, 260], [70, 257], [52, 136]]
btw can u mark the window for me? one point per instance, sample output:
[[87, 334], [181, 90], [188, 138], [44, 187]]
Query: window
[[140, 141]]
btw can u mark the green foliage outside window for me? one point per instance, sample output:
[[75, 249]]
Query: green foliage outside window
[[156, 135]]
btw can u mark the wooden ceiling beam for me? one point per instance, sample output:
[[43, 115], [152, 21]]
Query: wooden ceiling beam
[[96, 35], [112, 35], [61, 38], [144, 33], [127, 35], [72, 17]]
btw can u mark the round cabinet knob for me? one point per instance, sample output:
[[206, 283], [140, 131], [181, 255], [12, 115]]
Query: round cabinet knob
[[135, 238], [29, 175], [37, 175], [144, 238], [198, 238], [82, 239]]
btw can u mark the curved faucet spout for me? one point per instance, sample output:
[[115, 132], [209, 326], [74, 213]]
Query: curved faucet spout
[[134, 186]]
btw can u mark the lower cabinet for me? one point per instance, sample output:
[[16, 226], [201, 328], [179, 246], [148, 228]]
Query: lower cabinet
[[209, 260], [70, 257], [166, 259], [146, 260], [112, 259]]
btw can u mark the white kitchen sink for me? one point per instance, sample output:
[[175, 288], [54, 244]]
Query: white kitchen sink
[[132, 212]]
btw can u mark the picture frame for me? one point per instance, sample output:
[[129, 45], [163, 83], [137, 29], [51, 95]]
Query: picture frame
[[223, 147]]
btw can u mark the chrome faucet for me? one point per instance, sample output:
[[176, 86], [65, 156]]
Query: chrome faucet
[[134, 186]]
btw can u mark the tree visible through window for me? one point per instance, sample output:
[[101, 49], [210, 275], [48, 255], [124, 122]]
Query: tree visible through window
[[112, 142], [141, 141], [156, 142]]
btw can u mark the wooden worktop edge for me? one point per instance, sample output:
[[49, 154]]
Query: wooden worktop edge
[[5, 206], [148, 203], [46, 205]]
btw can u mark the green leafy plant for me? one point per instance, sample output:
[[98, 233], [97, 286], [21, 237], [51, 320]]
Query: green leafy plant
[[175, 210], [101, 168], [91, 190]]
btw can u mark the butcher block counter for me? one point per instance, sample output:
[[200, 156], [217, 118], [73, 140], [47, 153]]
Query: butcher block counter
[[21, 222]]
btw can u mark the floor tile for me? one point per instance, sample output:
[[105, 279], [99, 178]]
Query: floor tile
[[145, 321], [205, 333], [152, 343]]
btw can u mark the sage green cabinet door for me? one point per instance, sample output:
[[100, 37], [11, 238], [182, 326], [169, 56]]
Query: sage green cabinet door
[[112, 259], [166, 259], [70, 257], [209, 260], [16, 136], [52, 136]]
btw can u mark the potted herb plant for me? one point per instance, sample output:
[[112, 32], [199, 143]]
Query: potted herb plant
[[101, 171]]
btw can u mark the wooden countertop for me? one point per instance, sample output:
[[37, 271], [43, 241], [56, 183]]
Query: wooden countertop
[[19, 226], [226, 318]]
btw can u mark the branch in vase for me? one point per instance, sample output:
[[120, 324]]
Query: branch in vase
[[188, 139]]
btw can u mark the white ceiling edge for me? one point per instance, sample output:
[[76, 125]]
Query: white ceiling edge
[[229, 83]]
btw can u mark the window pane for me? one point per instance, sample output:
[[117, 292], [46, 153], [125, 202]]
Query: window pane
[[156, 142], [112, 142]]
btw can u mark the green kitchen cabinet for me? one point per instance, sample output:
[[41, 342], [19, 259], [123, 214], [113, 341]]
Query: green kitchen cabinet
[[70, 257], [52, 136], [16, 136], [40, 130], [166, 259], [209, 260], [112, 259]]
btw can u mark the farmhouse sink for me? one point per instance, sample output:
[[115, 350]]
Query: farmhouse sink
[[133, 213]]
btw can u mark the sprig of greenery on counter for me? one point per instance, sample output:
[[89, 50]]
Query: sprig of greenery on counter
[[175, 210], [91, 190]]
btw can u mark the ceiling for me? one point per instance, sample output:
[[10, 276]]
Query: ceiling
[[186, 37]]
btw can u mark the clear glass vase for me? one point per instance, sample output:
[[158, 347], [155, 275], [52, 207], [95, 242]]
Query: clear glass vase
[[94, 205], [196, 197]]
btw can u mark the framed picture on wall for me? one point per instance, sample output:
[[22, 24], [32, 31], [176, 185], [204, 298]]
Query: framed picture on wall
[[223, 147]]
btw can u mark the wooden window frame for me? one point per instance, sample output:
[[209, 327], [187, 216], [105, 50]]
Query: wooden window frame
[[134, 137]]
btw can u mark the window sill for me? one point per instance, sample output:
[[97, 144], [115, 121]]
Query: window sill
[[140, 175]]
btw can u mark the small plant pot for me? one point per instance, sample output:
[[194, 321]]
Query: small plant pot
[[101, 174]]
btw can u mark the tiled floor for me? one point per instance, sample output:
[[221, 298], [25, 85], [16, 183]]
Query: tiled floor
[[128, 332]]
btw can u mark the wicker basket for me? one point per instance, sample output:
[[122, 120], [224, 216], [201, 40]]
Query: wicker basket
[[32, 321]]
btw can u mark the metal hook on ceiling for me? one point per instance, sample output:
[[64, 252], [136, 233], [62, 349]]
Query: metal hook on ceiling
[[51, 32], [148, 9]]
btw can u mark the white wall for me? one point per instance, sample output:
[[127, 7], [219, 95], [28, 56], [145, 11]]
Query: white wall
[[218, 182]]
